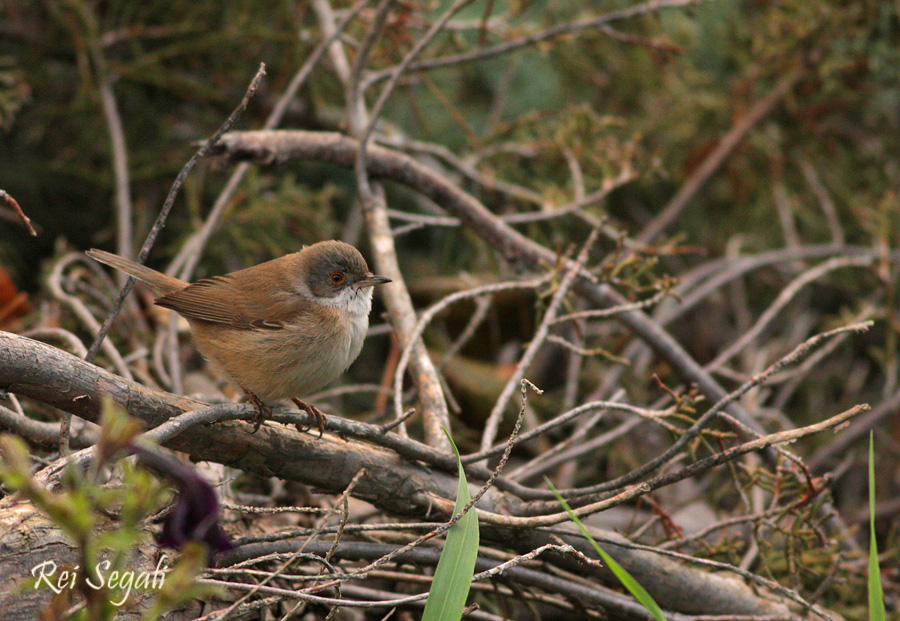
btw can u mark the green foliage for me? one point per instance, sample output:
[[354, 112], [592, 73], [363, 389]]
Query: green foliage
[[453, 576], [876, 595], [280, 212], [106, 576], [632, 585]]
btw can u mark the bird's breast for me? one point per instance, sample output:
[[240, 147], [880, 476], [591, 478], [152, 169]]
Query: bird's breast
[[293, 361]]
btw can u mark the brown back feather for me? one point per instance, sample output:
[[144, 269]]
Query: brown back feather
[[259, 297]]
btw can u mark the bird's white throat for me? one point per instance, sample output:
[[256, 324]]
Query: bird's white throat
[[353, 300]]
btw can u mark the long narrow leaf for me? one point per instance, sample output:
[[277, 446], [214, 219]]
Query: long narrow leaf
[[634, 587], [453, 576], [876, 597]]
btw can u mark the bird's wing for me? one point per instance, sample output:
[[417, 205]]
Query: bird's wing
[[240, 304]]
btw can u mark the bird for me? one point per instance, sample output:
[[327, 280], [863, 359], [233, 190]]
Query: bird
[[278, 330]]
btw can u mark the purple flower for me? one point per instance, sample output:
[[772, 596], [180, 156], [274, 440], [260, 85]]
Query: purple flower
[[195, 516]]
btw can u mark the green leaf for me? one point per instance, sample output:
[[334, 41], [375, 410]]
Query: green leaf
[[876, 597], [453, 576], [633, 586]]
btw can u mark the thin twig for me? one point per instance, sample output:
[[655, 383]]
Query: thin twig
[[785, 215], [119, 149], [784, 297], [826, 204], [398, 421], [564, 418], [61, 334], [245, 609], [614, 310], [583, 351], [307, 597], [482, 306], [37, 432], [4, 195], [561, 453], [174, 427], [105, 79], [468, 171]]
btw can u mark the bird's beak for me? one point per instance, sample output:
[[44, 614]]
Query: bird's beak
[[371, 280]]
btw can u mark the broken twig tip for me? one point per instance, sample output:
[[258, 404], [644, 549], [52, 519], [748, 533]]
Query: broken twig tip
[[527, 384]]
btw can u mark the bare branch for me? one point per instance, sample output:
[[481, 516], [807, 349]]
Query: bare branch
[[4, 195], [784, 297]]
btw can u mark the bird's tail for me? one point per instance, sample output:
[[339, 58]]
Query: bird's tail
[[160, 283]]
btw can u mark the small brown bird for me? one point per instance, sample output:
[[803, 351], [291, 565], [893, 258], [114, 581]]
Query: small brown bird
[[280, 329]]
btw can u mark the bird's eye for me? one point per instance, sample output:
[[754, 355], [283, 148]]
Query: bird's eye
[[336, 278]]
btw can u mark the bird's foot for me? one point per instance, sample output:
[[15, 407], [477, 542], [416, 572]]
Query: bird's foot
[[312, 411], [262, 411]]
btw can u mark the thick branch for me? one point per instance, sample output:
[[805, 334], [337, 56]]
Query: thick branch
[[50, 375]]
